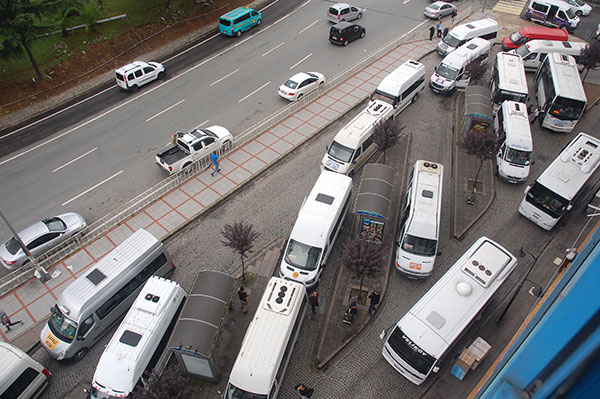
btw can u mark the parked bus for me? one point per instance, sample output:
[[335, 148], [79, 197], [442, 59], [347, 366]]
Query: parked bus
[[513, 157], [553, 193], [560, 93], [418, 241], [266, 349], [419, 341], [508, 80]]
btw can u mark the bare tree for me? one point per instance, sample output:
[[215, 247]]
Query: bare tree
[[590, 57], [170, 385], [480, 142], [386, 134], [477, 70], [363, 258], [240, 238]]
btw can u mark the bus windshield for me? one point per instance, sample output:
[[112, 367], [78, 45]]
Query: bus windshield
[[340, 152], [546, 200], [566, 109], [302, 255], [382, 96], [451, 41], [234, 392], [447, 72], [518, 157], [61, 326], [419, 246], [410, 352]]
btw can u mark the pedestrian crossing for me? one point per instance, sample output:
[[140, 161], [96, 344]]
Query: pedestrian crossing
[[510, 6]]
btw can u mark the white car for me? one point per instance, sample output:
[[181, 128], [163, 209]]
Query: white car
[[579, 7], [300, 84], [438, 10], [339, 12], [138, 73]]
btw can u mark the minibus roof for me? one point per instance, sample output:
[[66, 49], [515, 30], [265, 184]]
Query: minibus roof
[[236, 13]]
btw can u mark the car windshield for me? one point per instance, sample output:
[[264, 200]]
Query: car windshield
[[419, 246], [523, 51], [55, 224], [578, 2], [410, 352], [570, 13], [447, 72], [313, 75], [302, 256], [12, 246], [518, 157], [516, 37], [451, 41], [234, 392], [291, 84], [208, 133], [340, 152], [61, 326]]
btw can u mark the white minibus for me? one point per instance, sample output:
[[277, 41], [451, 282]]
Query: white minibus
[[422, 337], [352, 146], [534, 52], [133, 346], [450, 74], [318, 224], [560, 93], [417, 244], [553, 193], [513, 158], [486, 28], [508, 80], [402, 86], [555, 13], [21, 377], [269, 341], [97, 300]]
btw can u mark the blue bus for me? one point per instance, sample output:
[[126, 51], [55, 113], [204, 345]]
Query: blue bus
[[239, 20]]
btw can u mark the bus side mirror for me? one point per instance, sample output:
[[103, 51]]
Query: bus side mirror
[[526, 189], [532, 162], [569, 207], [434, 69], [436, 369], [438, 253]]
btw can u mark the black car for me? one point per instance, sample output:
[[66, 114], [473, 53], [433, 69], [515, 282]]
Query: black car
[[345, 32]]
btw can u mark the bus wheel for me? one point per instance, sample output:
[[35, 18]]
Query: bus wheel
[[238, 33]]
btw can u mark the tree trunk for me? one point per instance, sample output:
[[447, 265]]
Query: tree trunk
[[477, 175], [587, 70], [384, 157], [360, 287], [32, 59], [168, 9], [243, 269]]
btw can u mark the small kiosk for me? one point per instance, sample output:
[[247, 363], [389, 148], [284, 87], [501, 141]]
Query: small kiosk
[[477, 112], [193, 338], [373, 201]]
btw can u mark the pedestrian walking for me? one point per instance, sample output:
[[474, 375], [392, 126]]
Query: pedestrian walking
[[438, 27], [431, 32], [534, 115], [214, 158], [454, 14], [445, 32], [313, 300], [304, 391], [374, 297], [244, 301], [5, 320]]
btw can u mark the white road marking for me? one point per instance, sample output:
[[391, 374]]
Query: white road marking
[[274, 48], [165, 110], [297, 63], [76, 159], [202, 124], [91, 188], [308, 27], [254, 92], [223, 78]]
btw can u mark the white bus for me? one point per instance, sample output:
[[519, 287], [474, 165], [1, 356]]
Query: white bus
[[418, 241], [132, 348], [508, 80], [553, 193], [269, 341], [423, 336], [560, 93]]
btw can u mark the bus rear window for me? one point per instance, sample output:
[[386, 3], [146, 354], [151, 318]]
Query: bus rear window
[[224, 22]]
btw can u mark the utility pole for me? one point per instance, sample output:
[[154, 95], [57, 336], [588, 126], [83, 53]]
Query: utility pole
[[40, 272]]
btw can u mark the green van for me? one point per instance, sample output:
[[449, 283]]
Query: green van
[[239, 20]]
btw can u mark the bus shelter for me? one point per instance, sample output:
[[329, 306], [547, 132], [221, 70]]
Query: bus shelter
[[477, 111], [373, 201], [197, 329]]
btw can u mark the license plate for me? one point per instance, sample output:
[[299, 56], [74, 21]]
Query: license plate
[[50, 341]]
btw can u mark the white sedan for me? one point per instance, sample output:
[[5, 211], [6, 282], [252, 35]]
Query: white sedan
[[579, 7], [438, 10], [300, 84]]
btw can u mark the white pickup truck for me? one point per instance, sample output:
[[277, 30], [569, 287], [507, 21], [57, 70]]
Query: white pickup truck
[[192, 146]]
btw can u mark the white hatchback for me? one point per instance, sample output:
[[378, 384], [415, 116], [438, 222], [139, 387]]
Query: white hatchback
[[138, 73], [301, 84]]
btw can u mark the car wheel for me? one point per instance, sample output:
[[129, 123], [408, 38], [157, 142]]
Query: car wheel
[[362, 34], [133, 88], [414, 99], [563, 27], [359, 16], [439, 17], [186, 167], [259, 22], [578, 13], [345, 42], [80, 354], [161, 76], [299, 96], [226, 146], [238, 33]]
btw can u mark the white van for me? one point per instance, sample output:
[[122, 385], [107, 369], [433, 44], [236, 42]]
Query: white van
[[401, 87], [21, 377], [512, 129], [555, 13], [418, 242], [508, 80], [486, 28], [316, 228], [450, 74], [133, 345], [534, 52], [98, 299], [353, 146]]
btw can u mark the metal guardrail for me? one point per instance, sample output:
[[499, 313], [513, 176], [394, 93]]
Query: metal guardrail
[[133, 206]]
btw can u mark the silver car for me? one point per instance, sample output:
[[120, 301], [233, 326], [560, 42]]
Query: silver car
[[40, 237], [343, 12], [438, 10]]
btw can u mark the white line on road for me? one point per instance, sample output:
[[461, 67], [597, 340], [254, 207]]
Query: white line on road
[[202, 124], [76, 159], [274, 48], [91, 188], [297, 63], [223, 78], [165, 110], [261, 87], [308, 27]]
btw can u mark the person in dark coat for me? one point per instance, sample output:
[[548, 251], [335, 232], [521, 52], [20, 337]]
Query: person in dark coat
[[445, 32], [431, 32]]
